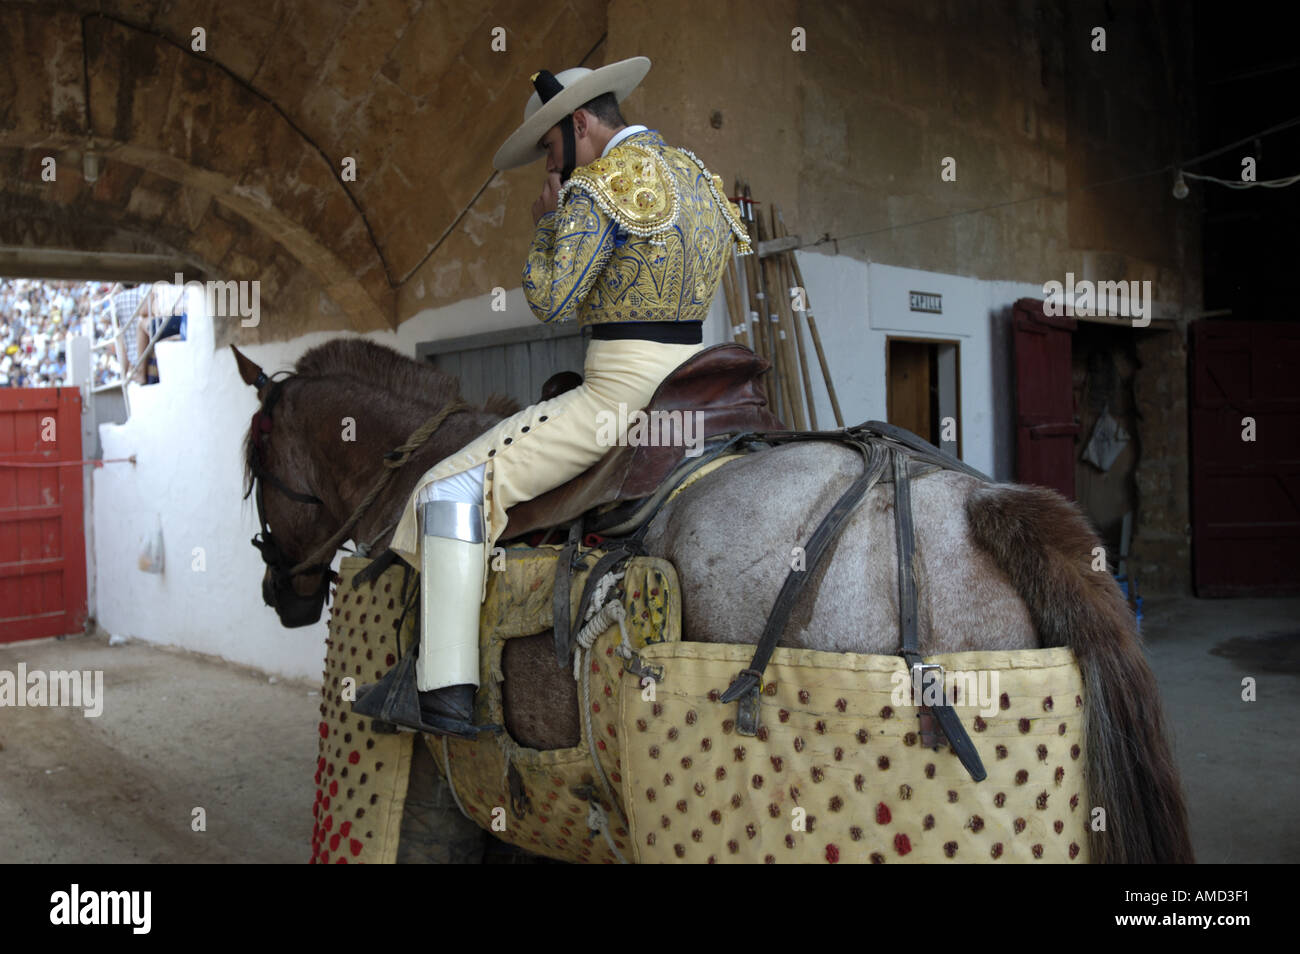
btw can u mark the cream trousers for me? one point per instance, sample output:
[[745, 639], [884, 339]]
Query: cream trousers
[[546, 444]]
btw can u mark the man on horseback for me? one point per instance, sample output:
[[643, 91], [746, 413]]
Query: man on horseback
[[631, 238]]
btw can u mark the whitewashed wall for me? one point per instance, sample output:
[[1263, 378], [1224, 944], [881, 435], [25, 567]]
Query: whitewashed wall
[[858, 306], [186, 433]]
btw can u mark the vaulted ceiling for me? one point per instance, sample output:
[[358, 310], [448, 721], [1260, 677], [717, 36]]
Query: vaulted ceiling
[[233, 159]]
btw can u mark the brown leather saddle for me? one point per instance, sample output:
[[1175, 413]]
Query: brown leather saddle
[[721, 382]]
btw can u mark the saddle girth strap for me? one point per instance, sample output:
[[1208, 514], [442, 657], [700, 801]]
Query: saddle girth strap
[[746, 684], [608, 563], [563, 622], [924, 450], [909, 647], [619, 552]]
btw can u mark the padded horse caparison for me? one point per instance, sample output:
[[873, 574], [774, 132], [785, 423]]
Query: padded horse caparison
[[721, 383], [878, 442]]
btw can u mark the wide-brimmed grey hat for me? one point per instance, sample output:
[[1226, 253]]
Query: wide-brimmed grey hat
[[580, 85]]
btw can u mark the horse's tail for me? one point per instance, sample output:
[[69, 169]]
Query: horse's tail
[[1045, 546]]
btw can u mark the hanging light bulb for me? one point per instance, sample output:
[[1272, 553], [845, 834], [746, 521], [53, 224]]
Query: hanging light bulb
[[90, 166], [1180, 187]]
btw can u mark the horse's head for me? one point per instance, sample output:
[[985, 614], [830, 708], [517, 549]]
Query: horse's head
[[274, 471]]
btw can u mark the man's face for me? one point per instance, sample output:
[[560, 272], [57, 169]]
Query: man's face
[[553, 143]]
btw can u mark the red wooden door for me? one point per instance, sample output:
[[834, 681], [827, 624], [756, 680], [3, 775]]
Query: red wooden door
[[1245, 494], [42, 539], [1045, 425]]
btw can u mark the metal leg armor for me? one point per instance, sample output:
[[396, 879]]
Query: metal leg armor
[[445, 672]]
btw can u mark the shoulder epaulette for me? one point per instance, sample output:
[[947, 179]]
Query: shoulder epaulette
[[633, 185]]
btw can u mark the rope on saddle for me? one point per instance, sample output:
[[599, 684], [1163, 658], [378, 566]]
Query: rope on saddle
[[602, 619], [617, 551], [446, 771], [393, 461], [597, 820]]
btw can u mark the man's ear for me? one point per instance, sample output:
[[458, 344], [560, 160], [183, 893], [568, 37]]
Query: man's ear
[[581, 120]]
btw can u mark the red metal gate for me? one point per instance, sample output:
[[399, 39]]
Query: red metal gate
[[1245, 494], [42, 537], [1045, 426]]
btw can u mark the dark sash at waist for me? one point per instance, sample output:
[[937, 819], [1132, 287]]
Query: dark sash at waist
[[665, 332]]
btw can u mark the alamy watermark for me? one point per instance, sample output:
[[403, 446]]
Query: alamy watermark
[[932, 686], [230, 299], [76, 907], [76, 689], [1087, 298], [651, 429]]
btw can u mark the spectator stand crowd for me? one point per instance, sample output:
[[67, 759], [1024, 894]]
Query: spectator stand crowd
[[39, 317]]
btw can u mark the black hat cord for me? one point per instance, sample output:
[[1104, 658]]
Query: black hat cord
[[548, 87]]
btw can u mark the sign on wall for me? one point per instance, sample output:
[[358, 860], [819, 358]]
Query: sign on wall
[[925, 301]]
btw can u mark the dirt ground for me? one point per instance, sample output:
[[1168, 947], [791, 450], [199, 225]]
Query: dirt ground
[[181, 731]]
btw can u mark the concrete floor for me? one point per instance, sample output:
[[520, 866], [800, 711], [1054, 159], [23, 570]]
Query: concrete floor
[[181, 731], [1240, 761]]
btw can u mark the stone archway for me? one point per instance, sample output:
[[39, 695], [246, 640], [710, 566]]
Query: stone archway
[[194, 166]]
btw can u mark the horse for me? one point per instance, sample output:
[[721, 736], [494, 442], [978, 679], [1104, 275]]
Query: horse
[[999, 566]]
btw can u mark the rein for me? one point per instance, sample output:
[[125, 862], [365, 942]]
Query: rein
[[393, 461]]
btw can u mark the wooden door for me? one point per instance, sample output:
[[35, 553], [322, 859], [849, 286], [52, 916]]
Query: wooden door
[[1245, 493], [1045, 425], [911, 388], [42, 538]]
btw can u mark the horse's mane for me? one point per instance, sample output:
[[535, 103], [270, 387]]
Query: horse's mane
[[411, 381]]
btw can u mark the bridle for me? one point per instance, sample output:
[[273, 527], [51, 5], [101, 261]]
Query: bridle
[[293, 608]]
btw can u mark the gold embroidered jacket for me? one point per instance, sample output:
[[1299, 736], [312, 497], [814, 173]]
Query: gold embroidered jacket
[[640, 234]]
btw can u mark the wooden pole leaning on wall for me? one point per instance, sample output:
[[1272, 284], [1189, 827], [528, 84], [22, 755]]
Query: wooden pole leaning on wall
[[739, 328], [812, 332], [737, 272], [788, 303], [768, 319], [754, 302], [757, 328], [781, 324]]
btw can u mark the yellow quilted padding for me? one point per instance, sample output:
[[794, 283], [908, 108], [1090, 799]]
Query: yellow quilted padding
[[361, 776], [550, 817], [837, 772]]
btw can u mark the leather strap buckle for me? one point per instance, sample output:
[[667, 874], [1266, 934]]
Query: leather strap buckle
[[927, 680], [919, 671], [747, 707], [638, 667]]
